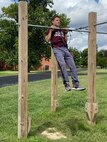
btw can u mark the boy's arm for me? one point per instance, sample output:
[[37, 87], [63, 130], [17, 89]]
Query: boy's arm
[[48, 36], [66, 37], [65, 34]]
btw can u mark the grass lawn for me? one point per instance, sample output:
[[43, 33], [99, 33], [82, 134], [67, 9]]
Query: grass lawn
[[80, 71], [98, 71], [70, 118], [11, 73], [7, 73]]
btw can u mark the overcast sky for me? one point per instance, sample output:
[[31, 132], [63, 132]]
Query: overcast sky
[[77, 11]]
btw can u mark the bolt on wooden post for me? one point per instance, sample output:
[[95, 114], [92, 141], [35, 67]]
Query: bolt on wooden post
[[23, 120], [91, 105], [54, 82]]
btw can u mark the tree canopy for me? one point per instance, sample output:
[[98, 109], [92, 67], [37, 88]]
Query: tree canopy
[[39, 13]]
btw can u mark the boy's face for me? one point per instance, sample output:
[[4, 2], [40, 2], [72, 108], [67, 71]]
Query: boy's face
[[56, 22]]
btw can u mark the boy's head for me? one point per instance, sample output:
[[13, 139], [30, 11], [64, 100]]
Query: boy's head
[[56, 20]]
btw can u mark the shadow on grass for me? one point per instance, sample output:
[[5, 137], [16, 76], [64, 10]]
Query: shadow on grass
[[40, 129], [76, 125], [73, 124], [76, 101], [100, 118]]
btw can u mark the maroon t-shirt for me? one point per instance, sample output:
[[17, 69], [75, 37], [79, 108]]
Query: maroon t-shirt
[[57, 38]]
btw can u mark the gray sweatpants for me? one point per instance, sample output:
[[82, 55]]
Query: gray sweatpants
[[64, 57]]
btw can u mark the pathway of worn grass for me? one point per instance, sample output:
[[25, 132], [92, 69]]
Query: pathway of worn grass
[[70, 119]]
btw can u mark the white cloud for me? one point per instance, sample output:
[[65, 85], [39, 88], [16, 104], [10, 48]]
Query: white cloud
[[78, 40], [78, 11]]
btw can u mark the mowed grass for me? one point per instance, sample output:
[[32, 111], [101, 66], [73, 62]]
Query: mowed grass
[[80, 71], [70, 118], [11, 73], [8, 73]]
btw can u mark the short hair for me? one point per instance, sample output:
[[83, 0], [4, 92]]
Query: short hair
[[55, 16]]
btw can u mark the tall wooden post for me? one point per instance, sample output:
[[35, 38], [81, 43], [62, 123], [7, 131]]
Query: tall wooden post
[[91, 105], [23, 71], [54, 95]]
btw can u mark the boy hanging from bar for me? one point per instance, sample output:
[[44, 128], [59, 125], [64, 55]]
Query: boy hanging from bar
[[58, 39]]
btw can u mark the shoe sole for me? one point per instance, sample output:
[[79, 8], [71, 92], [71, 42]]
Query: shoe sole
[[68, 90], [79, 89]]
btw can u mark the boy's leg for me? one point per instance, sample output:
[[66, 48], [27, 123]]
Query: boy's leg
[[71, 64], [60, 59], [70, 61]]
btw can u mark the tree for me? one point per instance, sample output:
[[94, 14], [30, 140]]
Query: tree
[[11, 11], [77, 56], [8, 50], [38, 14], [102, 58], [84, 57]]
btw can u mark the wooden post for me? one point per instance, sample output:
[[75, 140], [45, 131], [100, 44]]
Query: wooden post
[[91, 106], [23, 119], [54, 95]]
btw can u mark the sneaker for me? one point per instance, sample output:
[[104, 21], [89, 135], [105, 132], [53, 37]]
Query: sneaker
[[78, 88], [67, 87]]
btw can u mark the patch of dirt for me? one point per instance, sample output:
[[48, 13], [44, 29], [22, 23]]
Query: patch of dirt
[[51, 133]]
